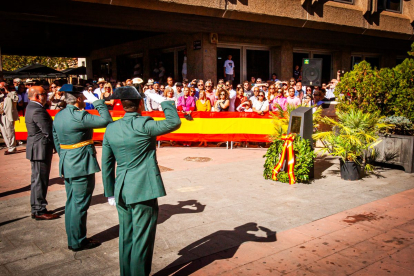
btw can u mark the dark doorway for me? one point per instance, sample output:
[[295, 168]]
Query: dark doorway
[[129, 67], [258, 64], [181, 55], [222, 54], [167, 60], [102, 68], [326, 67], [297, 60]]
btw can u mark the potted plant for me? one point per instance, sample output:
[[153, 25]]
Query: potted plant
[[397, 145], [352, 136]]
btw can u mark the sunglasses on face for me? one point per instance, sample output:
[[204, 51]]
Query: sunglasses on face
[[199, 85], [208, 85], [261, 95], [222, 94], [279, 91]]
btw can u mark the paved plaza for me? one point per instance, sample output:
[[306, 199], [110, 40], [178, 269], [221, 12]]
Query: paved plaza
[[220, 217]]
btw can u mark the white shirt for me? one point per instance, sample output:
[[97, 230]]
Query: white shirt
[[260, 106], [232, 99], [98, 92], [253, 99], [330, 93], [229, 65]]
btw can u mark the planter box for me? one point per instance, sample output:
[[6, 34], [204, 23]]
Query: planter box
[[397, 150]]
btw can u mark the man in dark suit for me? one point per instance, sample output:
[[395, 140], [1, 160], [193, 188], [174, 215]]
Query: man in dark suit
[[39, 151]]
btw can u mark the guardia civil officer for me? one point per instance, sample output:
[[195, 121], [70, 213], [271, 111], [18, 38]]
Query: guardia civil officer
[[131, 143], [72, 134]]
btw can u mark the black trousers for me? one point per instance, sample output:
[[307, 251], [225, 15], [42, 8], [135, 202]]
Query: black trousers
[[39, 184]]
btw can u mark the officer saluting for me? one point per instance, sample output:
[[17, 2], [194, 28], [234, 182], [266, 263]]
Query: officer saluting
[[72, 134], [131, 142]]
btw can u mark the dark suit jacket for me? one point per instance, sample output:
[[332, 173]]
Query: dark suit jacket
[[39, 133]]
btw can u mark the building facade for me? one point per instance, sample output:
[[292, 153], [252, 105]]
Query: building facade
[[157, 38]]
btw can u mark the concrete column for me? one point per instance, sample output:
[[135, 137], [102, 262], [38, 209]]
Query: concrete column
[[1, 66], [89, 69], [286, 60], [114, 67], [389, 60], [194, 58], [209, 58], [276, 61], [147, 65]]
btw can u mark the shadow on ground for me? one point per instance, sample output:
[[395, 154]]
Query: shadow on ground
[[166, 212], [184, 266], [53, 181]]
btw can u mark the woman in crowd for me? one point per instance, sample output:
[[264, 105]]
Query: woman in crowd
[[271, 95], [200, 86], [186, 105], [292, 100], [240, 98], [261, 106], [57, 99], [210, 93], [309, 91], [162, 89], [203, 103], [169, 94], [89, 89], [193, 93], [106, 96], [279, 100], [223, 103]]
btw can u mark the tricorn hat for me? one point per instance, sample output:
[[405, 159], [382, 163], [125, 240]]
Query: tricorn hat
[[126, 93]]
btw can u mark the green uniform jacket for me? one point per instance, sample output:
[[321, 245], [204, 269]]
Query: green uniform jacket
[[72, 126], [131, 142]]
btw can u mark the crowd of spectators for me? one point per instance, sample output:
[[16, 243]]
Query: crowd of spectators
[[255, 95]]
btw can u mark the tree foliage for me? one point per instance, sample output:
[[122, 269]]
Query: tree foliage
[[11, 63], [388, 90]]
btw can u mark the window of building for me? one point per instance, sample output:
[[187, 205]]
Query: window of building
[[375, 61], [390, 5], [345, 1]]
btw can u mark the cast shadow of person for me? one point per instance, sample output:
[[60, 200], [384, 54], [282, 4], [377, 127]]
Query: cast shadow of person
[[166, 211], [170, 210], [186, 265]]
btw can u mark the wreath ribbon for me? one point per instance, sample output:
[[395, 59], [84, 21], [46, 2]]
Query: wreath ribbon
[[288, 145]]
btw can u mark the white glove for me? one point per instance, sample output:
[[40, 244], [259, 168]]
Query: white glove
[[155, 97], [90, 97], [111, 201]]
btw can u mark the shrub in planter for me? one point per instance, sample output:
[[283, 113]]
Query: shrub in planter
[[351, 137], [397, 145]]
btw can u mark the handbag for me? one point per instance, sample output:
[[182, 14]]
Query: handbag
[[188, 117]]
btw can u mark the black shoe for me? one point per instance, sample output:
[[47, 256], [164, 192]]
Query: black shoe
[[86, 244], [46, 212]]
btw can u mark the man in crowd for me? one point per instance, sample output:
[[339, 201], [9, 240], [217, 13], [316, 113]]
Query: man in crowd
[[16, 83], [232, 95], [39, 151], [178, 90], [72, 133], [229, 72], [138, 182], [298, 90], [98, 91], [9, 116]]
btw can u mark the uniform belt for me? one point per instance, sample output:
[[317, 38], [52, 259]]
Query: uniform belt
[[78, 145]]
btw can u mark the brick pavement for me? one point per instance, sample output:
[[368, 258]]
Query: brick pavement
[[222, 218]]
